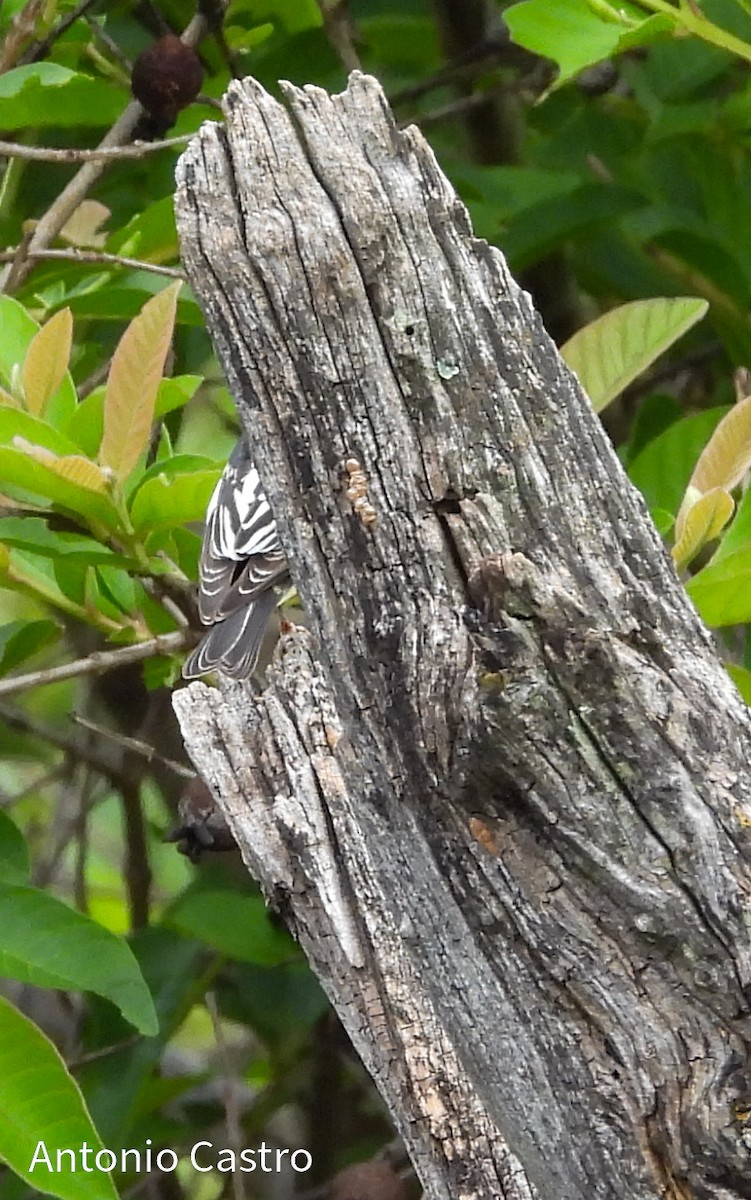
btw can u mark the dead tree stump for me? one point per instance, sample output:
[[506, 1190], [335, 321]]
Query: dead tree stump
[[501, 788]]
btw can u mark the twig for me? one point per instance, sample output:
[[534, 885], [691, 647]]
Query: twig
[[338, 25], [138, 747], [76, 748], [38, 49], [93, 256], [229, 1089], [72, 154], [102, 661]]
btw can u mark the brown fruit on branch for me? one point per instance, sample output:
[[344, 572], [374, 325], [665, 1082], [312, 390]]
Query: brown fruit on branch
[[166, 77]]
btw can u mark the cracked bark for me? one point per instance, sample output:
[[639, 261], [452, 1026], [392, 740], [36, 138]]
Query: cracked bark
[[500, 789]]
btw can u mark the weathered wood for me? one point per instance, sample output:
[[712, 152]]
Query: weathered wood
[[501, 790]]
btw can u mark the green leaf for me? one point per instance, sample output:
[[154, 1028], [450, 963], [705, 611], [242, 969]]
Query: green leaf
[[609, 353], [45, 94], [17, 331], [236, 924], [34, 535], [579, 33], [133, 382], [44, 942], [723, 462], [41, 1103], [174, 393], [664, 467], [20, 640], [163, 502], [14, 853], [722, 590], [40, 482], [741, 677]]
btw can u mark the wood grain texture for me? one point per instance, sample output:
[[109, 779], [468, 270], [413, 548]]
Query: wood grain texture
[[500, 790]]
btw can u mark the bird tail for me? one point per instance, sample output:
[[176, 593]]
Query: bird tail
[[232, 646]]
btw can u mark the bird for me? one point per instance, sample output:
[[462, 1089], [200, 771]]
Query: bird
[[241, 569]]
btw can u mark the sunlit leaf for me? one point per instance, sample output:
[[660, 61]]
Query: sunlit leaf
[[42, 1110], [17, 331], [46, 361], [579, 33], [722, 590], [23, 473], [134, 380], [74, 467], [724, 460], [609, 353], [163, 501], [703, 521]]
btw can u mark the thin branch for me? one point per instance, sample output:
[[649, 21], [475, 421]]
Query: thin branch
[[72, 154], [339, 30], [39, 49], [229, 1093], [138, 747], [102, 661], [94, 256]]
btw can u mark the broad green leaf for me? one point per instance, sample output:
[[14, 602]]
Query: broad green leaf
[[609, 353], [722, 590], [738, 536], [20, 640], [703, 522], [26, 475], [44, 942], [17, 331], [579, 33], [46, 94], [174, 393], [724, 460], [15, 425], [87, 422], [40, 1103], [74, 467], [163, 502], [133, 382], [34, 535], [741, 677], [46, 362], [662, 470], [14, 853], [235, 924]]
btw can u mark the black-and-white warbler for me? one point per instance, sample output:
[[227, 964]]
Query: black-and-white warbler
[[241, 567]]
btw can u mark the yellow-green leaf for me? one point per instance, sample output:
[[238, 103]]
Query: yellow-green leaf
[[724, 460], [705, 520], [8, 401], [73, 467], [46, 361], [134, 380], [609, 353]]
